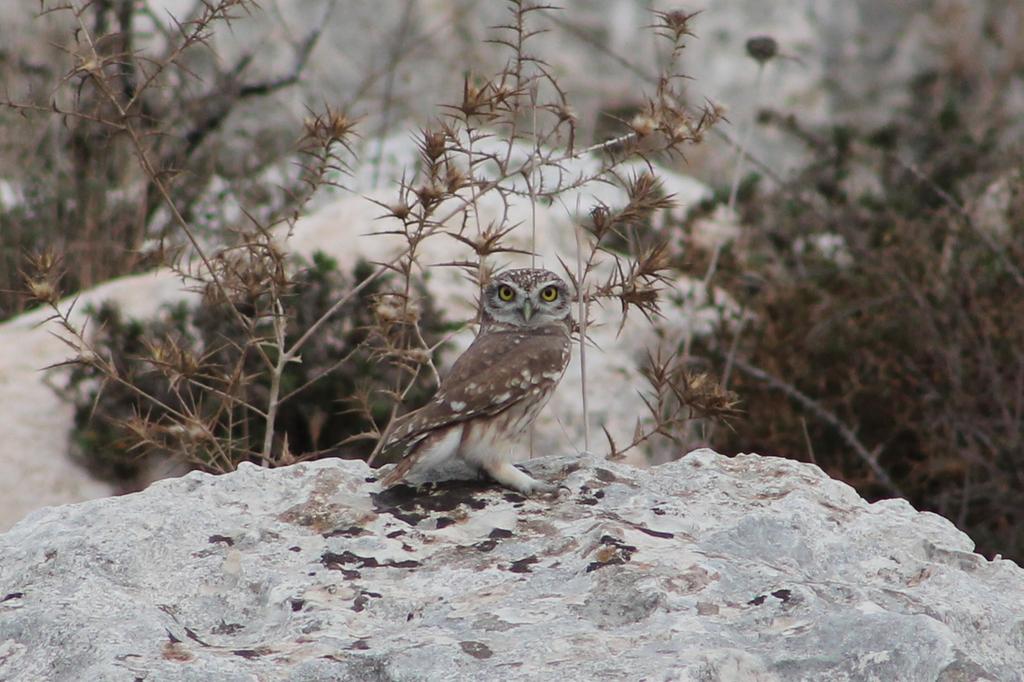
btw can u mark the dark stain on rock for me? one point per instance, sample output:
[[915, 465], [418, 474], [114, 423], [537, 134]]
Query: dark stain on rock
[[499, 534], [297, 604], [477, 649], [336, 562], [214, 539], [225, 628], [782, 595], [295, 548], [408, 563], [412, 505], [395, 534], [411, 519], [360, 645], [613, 551], [587, 497], [350, 532], [486, 545], [514, 498], [605, 476], [663, 534], [658, 511], [12, 595], [252, 653], [523, 565], [360, 602], [191, 634], [444, 522]]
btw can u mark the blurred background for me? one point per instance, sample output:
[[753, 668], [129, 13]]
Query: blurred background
[[872, 231]]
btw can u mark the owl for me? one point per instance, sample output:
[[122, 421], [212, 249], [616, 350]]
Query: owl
[[497, 387]]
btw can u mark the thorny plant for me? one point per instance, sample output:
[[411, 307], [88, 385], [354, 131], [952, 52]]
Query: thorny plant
[[138, 110], [182, 358], [510, 136]]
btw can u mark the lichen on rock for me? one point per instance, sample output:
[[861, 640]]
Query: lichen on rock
[[707, 568]]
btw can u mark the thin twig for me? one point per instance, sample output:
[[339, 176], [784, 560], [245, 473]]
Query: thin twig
[[845, 432]]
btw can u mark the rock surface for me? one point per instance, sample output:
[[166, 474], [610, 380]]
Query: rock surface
[[708, 568]]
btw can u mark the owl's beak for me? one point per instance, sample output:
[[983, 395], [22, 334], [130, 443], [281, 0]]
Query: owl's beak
[[527, 310]]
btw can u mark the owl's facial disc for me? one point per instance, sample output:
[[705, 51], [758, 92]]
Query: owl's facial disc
[[527, 298]]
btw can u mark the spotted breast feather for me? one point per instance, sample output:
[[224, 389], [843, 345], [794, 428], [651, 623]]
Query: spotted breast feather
[[483, 383]]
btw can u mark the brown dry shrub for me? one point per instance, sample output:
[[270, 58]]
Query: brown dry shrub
[[911, 336]]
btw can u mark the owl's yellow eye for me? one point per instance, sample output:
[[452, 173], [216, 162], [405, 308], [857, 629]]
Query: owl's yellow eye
[[506, 293], [549, 294]]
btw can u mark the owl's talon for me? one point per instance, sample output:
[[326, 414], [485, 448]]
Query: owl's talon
[[509, 476], [544, 488]]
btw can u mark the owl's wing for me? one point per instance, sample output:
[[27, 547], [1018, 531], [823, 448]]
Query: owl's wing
[[497, 370]]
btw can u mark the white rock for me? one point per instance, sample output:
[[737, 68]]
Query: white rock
[[35, 465], [708, 568]]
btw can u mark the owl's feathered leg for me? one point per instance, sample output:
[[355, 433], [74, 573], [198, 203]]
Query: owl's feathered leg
[[428, 452], [504, 473]]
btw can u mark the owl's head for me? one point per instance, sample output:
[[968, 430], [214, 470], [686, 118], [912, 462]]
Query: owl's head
[[526, 298]]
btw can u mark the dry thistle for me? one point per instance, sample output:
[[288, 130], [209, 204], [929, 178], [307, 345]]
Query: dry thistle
[[477, 100], [643, 124], [489, 240], [177, 363], [433, 146], [674, 398], [394, 336], [329, 128], [706, 396], [42, 276], [637, 284], [250, 276], [762, 48], [674, 25]]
